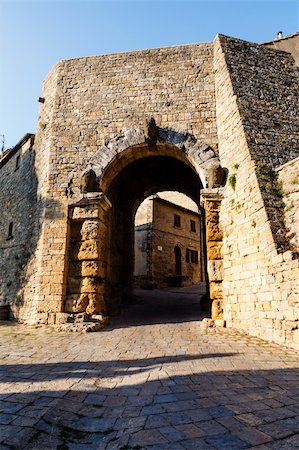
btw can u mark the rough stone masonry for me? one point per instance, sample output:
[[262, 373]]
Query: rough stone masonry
[[217, 121]]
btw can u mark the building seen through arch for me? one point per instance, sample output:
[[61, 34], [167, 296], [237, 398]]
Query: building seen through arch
[[169, 248]]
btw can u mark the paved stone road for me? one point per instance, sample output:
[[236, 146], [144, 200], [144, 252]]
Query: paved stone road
[[166, 383]]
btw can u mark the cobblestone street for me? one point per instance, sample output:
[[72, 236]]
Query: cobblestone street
[[149, 380]]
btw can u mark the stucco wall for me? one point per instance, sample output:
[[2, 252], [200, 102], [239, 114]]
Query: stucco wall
[[288, 44], [142, 248]]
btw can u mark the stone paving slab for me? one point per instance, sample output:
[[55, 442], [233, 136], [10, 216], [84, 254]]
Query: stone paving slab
[[169, 385]]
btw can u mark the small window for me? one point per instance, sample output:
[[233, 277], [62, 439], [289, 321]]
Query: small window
[[188, 255], [192, 256], [177, 220], [192, 226], [10, 229], [18, 160]]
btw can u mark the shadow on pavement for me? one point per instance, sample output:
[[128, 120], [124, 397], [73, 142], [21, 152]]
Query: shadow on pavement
[[157, 306], [213, 410]]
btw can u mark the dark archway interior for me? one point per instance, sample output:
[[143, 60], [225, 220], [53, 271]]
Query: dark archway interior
[[134, 183]]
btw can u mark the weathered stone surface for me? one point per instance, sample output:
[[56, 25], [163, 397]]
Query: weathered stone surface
[[215, 174], [90, 230], [96, 304], [254, 283], [62, 318], [90, 268], [81, 303], [215, 270], [92, 285], [214, 231], [217, 309], [85, 212], [87, 250], [219, 322], [214, 250], [89, 181], [216, 291], [150, 130]]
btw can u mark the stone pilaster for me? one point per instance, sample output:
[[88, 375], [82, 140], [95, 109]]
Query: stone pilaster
[[87, 255], [211, 200]]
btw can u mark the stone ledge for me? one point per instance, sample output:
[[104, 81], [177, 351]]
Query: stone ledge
[[212, 323], [84, 327]]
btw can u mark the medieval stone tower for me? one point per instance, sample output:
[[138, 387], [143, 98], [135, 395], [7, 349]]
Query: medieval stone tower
[[217, 121]]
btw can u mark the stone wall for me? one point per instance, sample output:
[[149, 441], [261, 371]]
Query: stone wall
[[267, 95], [260, 285], [288, 176], [98, 98], [18, 203], [89, 101]]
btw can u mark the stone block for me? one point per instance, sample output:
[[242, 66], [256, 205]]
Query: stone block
[[81, 317], [90, 230], [214, 249], [215, 270], [92, 285], [90, 268], [96, 304], [62, 318], [211, 206], [212, 216], [84, 327], [87, 250], [213, 232], [51, 318], [86, 212], [217, 309], [206, 323], [42, 318], [216, 290], [220, 323], [296, 336], [82, 303]]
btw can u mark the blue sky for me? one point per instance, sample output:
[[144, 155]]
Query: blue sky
[[35, 35]]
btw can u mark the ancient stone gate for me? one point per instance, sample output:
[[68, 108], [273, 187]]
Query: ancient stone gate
[[224, 131], [100, 269]]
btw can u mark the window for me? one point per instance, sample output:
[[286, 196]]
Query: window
[[10, 228], [188, 255], [177, 220], [192, 256], [192, 226], [18, 162]]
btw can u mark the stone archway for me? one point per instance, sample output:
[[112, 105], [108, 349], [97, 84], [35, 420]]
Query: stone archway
[[129, 168]]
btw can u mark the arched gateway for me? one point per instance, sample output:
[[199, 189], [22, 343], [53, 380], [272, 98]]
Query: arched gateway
[[139, 163], [71, 190]]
